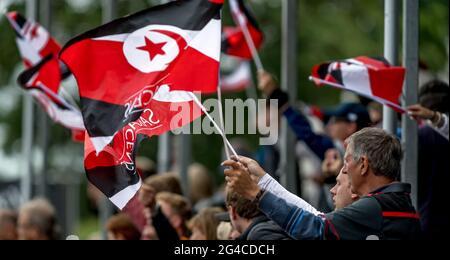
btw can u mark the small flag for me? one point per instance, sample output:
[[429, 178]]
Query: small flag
[[233, 38], [373, 78]]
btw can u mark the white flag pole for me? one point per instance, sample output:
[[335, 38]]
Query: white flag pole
[[222, 124], [377, 99], [194, 97], [248, 38]]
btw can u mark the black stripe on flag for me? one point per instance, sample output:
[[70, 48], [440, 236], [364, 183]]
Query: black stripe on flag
[[26, 75], [188, 15], [20, 20], [249, 14], [102, 118], [337, 75], [112, 179]]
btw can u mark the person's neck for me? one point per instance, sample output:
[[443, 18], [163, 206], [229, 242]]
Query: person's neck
[[373, 184], [244, 224]]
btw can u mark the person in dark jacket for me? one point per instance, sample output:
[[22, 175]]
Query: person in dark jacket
[[250, 222], [433, 167], [343, 121], [384, 211]]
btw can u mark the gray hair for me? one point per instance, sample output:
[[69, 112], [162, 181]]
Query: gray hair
[[383, 151]]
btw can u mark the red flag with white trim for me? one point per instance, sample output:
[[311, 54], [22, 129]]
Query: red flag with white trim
[[136, 76], [34, 81], [35, 44], [43, 74], [233, 38], [373, 78]]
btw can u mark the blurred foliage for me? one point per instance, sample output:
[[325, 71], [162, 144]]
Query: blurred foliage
[[327, 29]]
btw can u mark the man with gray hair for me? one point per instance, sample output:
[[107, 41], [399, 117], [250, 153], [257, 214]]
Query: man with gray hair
[[37, 221], [372, 163]]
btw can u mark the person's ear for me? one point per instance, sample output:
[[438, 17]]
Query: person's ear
[[364, 165], [353, 128], [354, 197], [233, 213]]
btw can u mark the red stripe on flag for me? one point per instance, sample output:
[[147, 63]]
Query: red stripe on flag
[[104, 77]]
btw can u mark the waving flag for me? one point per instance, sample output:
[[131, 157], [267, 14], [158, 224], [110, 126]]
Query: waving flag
[[233, 38], [136, 76], [369, 77], [43, 73], [35, 43], [58, 109]]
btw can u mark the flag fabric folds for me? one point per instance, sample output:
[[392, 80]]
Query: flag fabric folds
[[35, 44], [34, 79], [136, 76], [373, 78], [233, 38], [43, 74]]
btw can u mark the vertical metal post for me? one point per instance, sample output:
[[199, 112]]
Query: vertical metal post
[[289, 84], [410, 92], [27, 126], [391, 42], [164, 144], [164, 153], [184, 159], [106, 209], [45, 14]]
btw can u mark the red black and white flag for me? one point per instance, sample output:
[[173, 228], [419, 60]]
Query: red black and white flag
[[43, 74], [233, 38], [373, 78], [34, 44], [136, 76], [35, 79]]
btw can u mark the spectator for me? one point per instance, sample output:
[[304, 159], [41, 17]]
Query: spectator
[[204, 224], [147, 207], [437, 120], [37, 221], [177, 209], [372, 163], [433, 167], [341, 193], [164, 182], [8, 225], [343, 121], [120, 227], [200, 183], [250, 222], [224, 231]]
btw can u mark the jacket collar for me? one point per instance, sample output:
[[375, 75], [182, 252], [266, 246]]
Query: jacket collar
[[393, 187]]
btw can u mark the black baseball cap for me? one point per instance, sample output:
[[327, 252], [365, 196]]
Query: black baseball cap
[[350, 112]]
